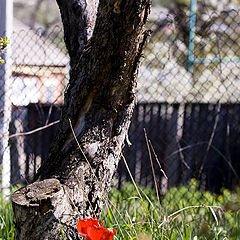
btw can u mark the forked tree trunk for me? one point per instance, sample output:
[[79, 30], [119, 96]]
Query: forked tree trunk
[[105, 40]]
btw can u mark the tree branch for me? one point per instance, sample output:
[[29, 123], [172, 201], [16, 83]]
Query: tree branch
[[29, 132], [104, 77], [81, 16], [99, 103]]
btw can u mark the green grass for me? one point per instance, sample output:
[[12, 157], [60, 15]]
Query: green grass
[[6, 219], [184, 213]]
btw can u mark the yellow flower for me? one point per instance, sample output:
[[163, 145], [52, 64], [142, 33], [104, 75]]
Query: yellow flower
[[220, 198], [193, 180]]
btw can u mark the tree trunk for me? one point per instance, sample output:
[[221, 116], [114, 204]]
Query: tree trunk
[[105, 40]]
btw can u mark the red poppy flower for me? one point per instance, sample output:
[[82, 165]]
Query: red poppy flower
[[89, 229]]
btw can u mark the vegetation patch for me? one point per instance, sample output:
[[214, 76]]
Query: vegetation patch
[[183, 213]]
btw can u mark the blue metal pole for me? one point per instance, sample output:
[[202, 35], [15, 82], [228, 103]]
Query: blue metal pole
[[192, 23]]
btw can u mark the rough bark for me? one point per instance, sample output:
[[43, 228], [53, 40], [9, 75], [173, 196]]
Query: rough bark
[[105, 40]]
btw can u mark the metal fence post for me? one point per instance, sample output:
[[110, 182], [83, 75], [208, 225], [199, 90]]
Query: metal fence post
[[192, 23], [6, 20]]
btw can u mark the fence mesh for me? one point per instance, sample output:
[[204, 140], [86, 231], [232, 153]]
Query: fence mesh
[[188, 102]]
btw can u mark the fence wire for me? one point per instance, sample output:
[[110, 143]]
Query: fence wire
[[191, 116]]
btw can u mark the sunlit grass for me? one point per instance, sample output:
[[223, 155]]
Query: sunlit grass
[[6, 219], [184, 213], [203, 216]]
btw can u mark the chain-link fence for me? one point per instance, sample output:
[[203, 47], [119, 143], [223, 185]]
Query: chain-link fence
[[188, 102], [32, 79]]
